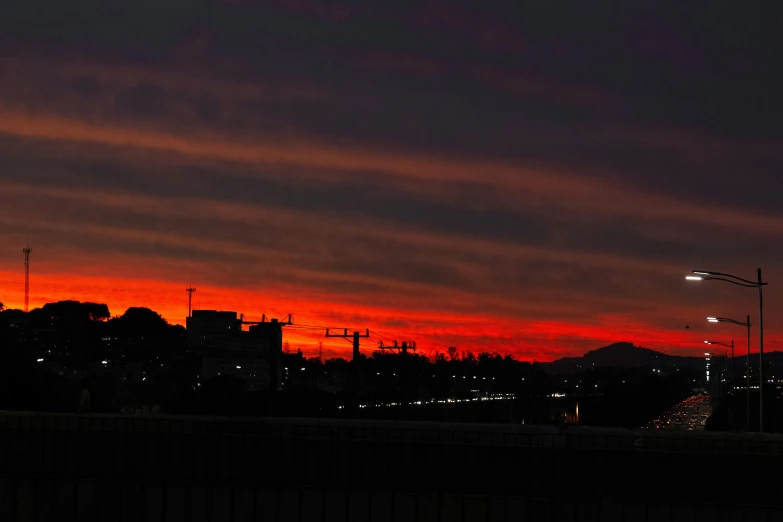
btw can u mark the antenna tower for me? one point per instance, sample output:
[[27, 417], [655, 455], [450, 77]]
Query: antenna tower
[[190, 291], [26, 251]]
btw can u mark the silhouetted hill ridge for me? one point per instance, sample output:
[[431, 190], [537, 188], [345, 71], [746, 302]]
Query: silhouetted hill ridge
[[623, 355]]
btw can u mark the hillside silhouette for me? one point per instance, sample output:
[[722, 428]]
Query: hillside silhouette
[[619, 355]]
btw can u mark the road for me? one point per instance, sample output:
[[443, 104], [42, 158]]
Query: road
[[689, 415]]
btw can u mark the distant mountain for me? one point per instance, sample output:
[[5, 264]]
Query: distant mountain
[[622, 355], [626, 355]]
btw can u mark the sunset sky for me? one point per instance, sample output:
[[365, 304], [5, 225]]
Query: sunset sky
[[533, 178]]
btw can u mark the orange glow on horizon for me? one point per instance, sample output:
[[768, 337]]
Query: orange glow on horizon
[[433, 331]]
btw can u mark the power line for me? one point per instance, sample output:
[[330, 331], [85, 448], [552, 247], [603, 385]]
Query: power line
[[319, 326], [300, 327], [322, 327], [374, 332], [351, 343]]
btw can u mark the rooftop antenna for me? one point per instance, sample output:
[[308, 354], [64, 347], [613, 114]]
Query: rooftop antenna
[[27, 251], [190, 291]]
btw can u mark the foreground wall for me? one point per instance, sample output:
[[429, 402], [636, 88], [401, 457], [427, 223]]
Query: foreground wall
[[93, 467]]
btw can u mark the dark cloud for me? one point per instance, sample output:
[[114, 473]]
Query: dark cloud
[[548, 163]]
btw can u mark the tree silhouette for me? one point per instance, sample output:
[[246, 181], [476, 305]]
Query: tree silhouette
[[177, 331], [2, 307], [97, 311], [438, 358], [72, 313], [139, 322]]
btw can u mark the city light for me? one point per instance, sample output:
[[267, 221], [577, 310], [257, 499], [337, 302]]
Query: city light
[[490, 397], [688, 415]]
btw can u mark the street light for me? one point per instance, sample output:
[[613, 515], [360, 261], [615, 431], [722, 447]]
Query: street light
[[732, 353], [704, 275], [747, 370]]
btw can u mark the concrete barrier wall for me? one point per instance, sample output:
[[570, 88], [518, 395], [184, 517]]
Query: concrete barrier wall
[[192, 468], [26, 499]]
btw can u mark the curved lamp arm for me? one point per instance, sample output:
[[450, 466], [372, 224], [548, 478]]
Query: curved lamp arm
[[707, 273], [718, 343], [726, 320], [755, 285]]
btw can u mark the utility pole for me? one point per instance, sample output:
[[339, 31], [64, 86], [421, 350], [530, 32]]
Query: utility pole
[[402, 347], [733, 371], [761, 355], [393, 347], [747, 384], [27, 251], [354, 363], [404, 366], [321, 352], [190, 291]]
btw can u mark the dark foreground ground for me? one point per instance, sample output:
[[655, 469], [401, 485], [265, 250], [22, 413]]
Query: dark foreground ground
[[92, 467]]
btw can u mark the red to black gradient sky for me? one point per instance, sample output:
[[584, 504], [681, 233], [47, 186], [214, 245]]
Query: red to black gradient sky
[[525, 177]]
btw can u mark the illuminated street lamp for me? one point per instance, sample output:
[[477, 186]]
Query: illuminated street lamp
[[727, 346], [746, 324], [704, 275]]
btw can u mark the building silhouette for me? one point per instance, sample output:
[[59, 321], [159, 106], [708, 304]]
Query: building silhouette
[[226, 348]]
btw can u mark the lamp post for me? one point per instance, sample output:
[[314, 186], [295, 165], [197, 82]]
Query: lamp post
[[726, 353], [726, 356], [747, 364], [704, 275]]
